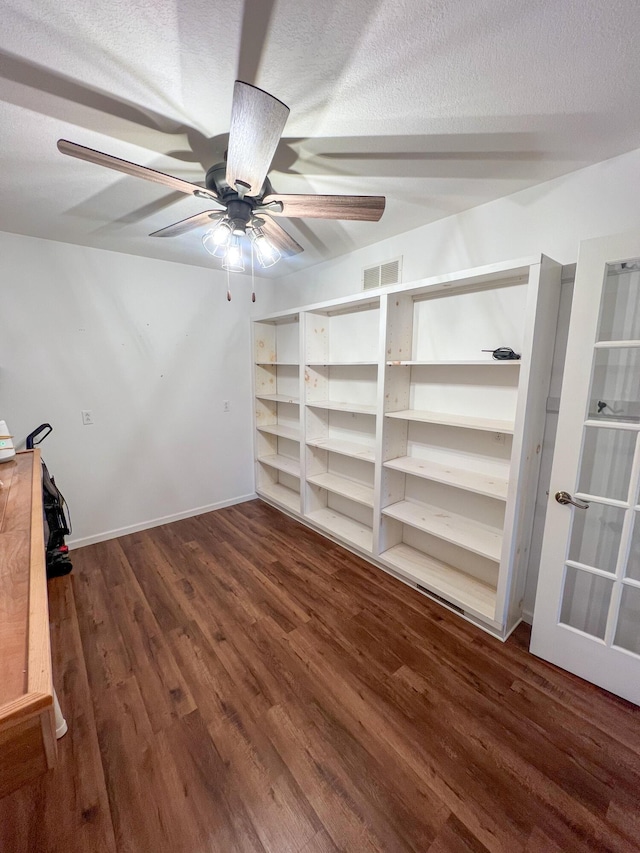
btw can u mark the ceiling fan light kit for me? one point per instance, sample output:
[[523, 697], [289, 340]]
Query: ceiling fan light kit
[[242, 188]]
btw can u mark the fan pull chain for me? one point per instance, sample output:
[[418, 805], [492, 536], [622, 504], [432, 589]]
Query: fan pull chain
[[228, 288], [253, 283]]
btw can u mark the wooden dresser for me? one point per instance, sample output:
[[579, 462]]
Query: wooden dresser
[[27, 727]]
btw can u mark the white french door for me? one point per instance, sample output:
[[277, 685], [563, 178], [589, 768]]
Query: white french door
[[587, 611]]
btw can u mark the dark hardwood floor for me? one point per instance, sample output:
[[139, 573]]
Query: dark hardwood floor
[[235, 682]]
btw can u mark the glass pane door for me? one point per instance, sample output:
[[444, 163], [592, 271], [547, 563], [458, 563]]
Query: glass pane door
[[587, 612], [601, 589]]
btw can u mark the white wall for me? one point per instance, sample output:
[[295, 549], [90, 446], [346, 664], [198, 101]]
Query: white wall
[[552, 218], [152, 348]]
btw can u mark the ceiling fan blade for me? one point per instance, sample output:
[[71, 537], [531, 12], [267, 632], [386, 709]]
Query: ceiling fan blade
[[205, 218], [283, 241], [92, 156], [257, 122], [364, 207]]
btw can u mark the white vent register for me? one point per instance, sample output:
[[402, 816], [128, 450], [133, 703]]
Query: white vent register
[[383, 274]]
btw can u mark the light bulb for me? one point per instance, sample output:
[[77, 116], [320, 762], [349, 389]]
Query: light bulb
[[268, 254], [216, 239], [221, 233], [233, 260]]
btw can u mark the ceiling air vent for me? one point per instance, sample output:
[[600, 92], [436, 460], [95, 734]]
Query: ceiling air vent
[[382, 274]]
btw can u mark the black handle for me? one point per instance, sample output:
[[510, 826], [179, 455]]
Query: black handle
[[31, 438]]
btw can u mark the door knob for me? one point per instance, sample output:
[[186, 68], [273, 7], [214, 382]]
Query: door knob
[[565, 498]]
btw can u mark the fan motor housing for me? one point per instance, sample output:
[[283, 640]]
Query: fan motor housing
[[216, 180]]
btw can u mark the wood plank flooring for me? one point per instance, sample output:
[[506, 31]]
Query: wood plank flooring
[[235, 682]]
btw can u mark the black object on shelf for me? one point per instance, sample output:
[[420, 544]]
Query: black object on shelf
[[57, 521], [503, 354]]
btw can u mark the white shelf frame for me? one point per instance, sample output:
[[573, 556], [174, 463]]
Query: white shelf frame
[[496, 608]]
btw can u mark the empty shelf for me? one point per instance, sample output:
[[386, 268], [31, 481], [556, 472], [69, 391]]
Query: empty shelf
[[343, 527], [281, 430], [342, 363], [278, 398], [278, 363], [282, 463], [341, 486], [345, 448], [502, 363], [472, 535], [357, 408], [463, 421], [459, 588], [282, 495], [452, 475]]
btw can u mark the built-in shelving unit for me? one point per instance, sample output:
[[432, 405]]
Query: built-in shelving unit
[[277, 385], [382, 423]]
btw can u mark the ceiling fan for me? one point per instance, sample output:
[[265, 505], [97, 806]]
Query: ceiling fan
[[241, 188]]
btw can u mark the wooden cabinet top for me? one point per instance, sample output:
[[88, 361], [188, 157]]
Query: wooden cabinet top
[[25, 654]]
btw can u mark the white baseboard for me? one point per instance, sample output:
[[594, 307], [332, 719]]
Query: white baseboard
[[155, 522], [527, 616]]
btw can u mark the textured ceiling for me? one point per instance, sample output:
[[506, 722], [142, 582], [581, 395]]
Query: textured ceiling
[[439, 106]]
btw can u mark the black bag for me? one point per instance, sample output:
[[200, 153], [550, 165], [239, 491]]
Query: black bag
[[57, 523]]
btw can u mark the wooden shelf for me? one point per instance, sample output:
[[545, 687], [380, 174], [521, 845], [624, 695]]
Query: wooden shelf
[[345, 448], [279, 398], [341, 486], [478, 363], [278, 363], [342, 363], [471, 535], [452, 475], [282, 495], [356, 408], [343, 527], [282, 463], [280, 430], [455, 586], [462, 421]]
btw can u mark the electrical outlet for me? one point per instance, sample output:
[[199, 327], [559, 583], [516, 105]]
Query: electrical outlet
[[499, 437], [87, 417], [226, 406]]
